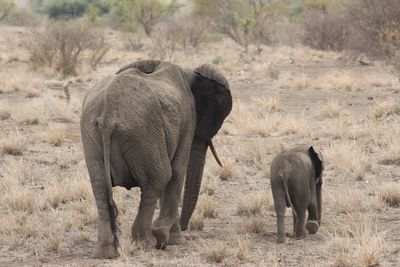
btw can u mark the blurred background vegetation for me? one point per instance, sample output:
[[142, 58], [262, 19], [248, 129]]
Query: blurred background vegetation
[[367, 27]]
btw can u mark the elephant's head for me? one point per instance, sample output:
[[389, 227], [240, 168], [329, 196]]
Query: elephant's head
[[213, 104], [318, 164]]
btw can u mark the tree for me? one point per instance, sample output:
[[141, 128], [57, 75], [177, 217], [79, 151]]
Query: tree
[[6, 6], [146, 13], [245, 22]]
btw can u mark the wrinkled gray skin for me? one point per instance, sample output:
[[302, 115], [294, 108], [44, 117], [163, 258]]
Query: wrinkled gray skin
[[296, 182], [150, 126]]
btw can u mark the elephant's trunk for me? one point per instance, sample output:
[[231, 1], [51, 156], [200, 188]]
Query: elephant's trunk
[[193, 180]]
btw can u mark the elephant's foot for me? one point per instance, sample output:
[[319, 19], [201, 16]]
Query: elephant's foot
[[176, 239], [162, 235], [301, 234], [281, 239], [144, 238], [105, 252], [161, 229], [312, 226]]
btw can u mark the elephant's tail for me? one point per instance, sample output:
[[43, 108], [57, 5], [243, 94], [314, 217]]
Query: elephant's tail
[[288, 199], [106, 138]]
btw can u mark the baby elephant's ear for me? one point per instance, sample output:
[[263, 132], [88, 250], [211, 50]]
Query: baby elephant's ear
[[316, 157]]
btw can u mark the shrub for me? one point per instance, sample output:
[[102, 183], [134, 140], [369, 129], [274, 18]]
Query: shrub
[[23, 17], [66, 9], [145, 13], [64, 44], [245, 22], [165, 40], [6, 6], [377, 27], [325, 28]]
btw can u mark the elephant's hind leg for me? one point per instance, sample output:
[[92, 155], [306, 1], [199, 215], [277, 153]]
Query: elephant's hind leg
[[301, 231], [166, 228], [105, 247], [280, 208], [141, 228]]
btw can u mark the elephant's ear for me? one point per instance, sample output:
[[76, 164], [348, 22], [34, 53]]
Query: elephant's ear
[[318, 162], [145, 66], [213, 100]]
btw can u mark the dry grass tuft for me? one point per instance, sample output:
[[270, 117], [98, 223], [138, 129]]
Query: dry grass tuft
[[389, 193], [331, 109], [349, 158], [384, 109], [242, 252], [353, 200], [227, 172], [14, 145], [20, 199], [55, 134], [268, 104], [215, 252], [196, 222], [256, 225], [357, 242], [206, 205], [254, 203], [5, 111], [210, 185]]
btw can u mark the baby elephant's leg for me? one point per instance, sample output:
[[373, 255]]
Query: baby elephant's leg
[[300, 223], [312, 220]]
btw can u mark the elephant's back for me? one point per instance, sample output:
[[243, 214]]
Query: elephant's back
[[291, 164]]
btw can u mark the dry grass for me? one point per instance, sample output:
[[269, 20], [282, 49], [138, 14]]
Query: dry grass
[[255, 225], [385, 108], [215, 252], [14, 145], [268, 104], [254, 203], [353, 200], [242, 252], [5, 111], [350, 158], [196, 222], [206, 206], [357, 241], [331, 109], [389, 194], [55, 134]]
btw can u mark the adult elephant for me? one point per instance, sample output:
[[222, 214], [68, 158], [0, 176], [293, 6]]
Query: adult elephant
[[150, 126]]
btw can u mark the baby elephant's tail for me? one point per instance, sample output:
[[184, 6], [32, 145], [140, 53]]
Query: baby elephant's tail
[[288, 199]]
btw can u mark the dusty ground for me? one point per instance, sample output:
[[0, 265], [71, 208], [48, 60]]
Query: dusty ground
[[282, 97]]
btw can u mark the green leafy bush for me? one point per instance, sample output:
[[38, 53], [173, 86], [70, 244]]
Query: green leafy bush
[[68, 9], [6, 6], [144, 13], [245, 22]]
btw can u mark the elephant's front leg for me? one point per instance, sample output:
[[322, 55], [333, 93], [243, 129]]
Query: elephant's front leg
[[106, 246], [141, 228]]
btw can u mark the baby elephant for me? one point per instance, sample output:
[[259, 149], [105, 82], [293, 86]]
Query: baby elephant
[[296, 182]]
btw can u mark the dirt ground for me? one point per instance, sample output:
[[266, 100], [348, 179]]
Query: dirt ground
[[282, 97]]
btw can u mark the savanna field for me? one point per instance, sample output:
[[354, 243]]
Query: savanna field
[[283, 96]]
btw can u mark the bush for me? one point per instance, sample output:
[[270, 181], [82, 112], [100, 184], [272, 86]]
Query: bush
[[325, 28], [23, 17], [245, 22], [68, 9], [377, 27], [165, 40], [6, 6], [145, 13], [64, 44]]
